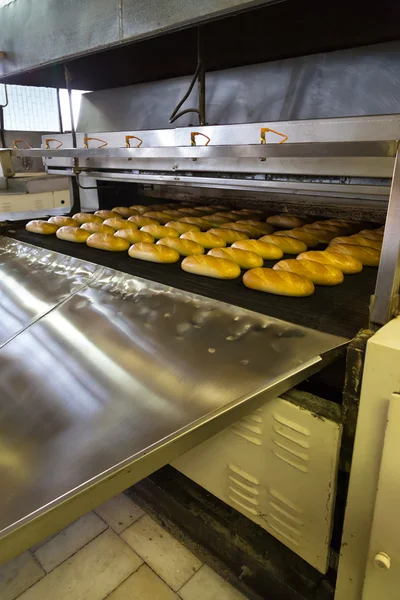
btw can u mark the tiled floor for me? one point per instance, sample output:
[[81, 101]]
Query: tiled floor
[[116, 552]]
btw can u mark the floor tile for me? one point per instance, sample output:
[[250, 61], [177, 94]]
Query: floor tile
[[144, 584], [208, 585], [90, 574], [69, 541], [18, 575], [165, 555], [119, 512]]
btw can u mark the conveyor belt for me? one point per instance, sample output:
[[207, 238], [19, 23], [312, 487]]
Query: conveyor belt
[[339, 310]]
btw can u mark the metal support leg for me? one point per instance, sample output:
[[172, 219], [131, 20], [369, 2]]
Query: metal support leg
[[385, 303]]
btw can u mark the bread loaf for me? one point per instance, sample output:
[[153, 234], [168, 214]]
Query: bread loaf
[[286, 221], [372, 234], [244, 258], [216, 221], [159, 231], [228, 214], [182, 227], [349, 226], [266, 250], [319, 273], [248, 211], [323, 236], [141, 221], [205, 210], [105, 214], [177, 214], [134, 236], [325, 226], [357, 240], [119, 223], [125, 212], [42, 227], [153, 253], [281, 283], [288, 245], [367, 256], [105, 241], [140, 208], [73, 234], [198, 221], [265, 228], [97, 228], [247, 229], [347, 264], [190, 212], [207, 240], [184, 247], [161, 217], [82, 217], [63, 221], [307, 238], [209, 266], [229, 235]]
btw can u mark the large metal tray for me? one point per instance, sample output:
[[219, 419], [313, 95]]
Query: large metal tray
[[120, 378]]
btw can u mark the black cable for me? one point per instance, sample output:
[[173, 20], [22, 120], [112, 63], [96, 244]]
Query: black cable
[[174, 116], [2, 136]]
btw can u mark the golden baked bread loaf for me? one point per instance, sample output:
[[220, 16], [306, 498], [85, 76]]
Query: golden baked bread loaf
[[82, 217], [347, 264], [182, 227], [153, 253], [281, 283], [105, 241], [207, 240], [73, 234], [286, 221], [325, 226], [42, 227], [307, 238], [216, 221], [288, 245], [264, 249], [323, 236], [205, 210], [141, 221], [176, 214], [125, 211], [249, 230], [134, 236], [367, 256], [372, 234], [97, 228], [105, 214], [190, 211], [160, 231], [265, 228], [348, 226], [159, 216], [198, 221], [229, 235], [184, 247], [140, 208], [248, 211], [244, 258], [119, 223], [228, 214], [63, 221], [209, 266], [357, 240], [319, 273]]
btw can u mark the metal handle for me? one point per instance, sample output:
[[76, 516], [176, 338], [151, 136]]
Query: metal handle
[[132, 137], [47, 143], [16, 142], [193, 138], [86, 140], [265, 130]]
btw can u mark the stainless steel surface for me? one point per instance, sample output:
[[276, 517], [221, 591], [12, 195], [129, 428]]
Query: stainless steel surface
[[274, 150], [120, 378], [33, 281], [355, 82], [385, 304], [69, 26]]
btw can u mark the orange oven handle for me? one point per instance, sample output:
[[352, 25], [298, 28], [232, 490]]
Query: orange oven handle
[[16, 142], [86, 140], [265, 130], [193, 138], [47, 143], [132, 137]]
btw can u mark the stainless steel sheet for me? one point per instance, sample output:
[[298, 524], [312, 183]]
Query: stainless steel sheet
[[33, 281], [122, 372]]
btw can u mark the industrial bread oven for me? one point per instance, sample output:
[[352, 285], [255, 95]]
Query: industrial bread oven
[[285, 409]]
